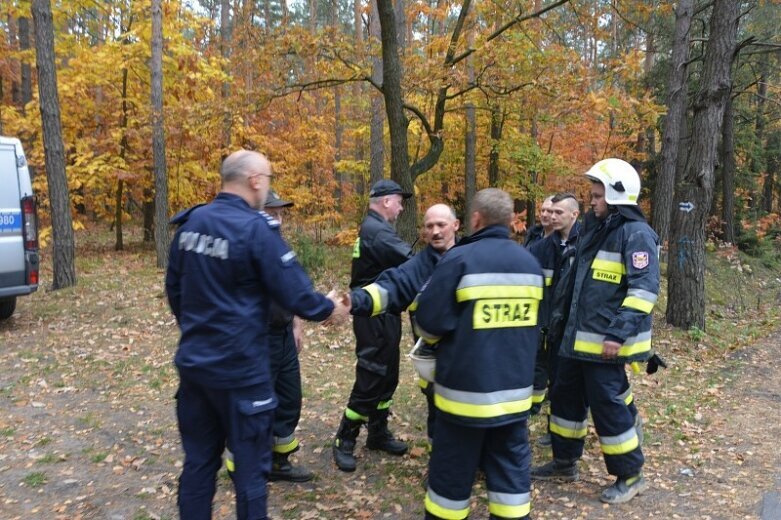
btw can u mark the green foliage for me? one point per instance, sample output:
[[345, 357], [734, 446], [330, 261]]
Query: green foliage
[[311, 254], [35, 479]]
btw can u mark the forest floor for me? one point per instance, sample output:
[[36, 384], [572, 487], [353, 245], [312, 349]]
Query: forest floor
[[88, 430]]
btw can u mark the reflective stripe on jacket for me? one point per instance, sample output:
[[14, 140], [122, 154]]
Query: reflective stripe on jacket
[[480, 308], [395, 289]]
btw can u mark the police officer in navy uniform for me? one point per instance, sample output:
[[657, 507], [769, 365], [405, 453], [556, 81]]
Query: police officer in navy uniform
[[605, 323], [396, 288], [377, 248], [480, 308], [285, 342], [227, 262]]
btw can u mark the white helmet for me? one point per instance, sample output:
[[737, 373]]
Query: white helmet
[[621, 181]]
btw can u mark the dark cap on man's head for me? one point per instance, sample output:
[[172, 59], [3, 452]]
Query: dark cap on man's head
[[388, 187], [273, 200]]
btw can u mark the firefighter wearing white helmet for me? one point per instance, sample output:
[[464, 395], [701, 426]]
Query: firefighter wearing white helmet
[[602, 324]]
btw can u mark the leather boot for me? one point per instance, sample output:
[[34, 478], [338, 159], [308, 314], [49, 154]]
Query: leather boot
[[282, 469], [381, 438], [344, 444], [557, 469]]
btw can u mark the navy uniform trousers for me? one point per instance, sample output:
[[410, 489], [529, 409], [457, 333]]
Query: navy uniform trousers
[[286, 379], [501, 452], [377, 369], [603, 386], [210, 419]]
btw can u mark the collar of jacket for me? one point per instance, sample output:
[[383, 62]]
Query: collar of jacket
[[373, 214], [495, 231], [631, 213], [231, 198]]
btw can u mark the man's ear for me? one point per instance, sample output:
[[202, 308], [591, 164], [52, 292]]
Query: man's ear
[[456, 224]]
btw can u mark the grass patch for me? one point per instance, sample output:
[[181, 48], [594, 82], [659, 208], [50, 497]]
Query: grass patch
[[35, 479], [8, 431], [49, 458]]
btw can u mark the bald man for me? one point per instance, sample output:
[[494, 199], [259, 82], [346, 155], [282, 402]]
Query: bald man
[[393, 292], [227, 263]]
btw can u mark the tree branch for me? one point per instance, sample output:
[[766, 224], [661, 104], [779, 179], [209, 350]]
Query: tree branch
[[518, 19]]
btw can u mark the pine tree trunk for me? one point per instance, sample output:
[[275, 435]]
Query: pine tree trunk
[[673, 122], [162, 238], [54, 153], [728, 172], [686, 289], [470, 146], [377, 128], [497, 124], [225, 89], [27, 76], [397, 120], [773, 151]]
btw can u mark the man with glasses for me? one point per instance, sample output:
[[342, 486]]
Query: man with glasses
[[227, 262]]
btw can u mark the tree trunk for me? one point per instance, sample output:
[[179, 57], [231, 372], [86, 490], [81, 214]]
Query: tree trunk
[[54, 153], [377, 128], [338, 127], [397, 121], [358, 87], [497, 125], [686, 288], [773, 152], [149, 213], [119, 194], [162, 238], [225, 50], [27, 76], [470, 145], [728, 172], [531, 202], [673, 122], [767, 188]]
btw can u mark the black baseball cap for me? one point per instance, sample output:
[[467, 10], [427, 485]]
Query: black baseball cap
[[273, 200], [388, 187]]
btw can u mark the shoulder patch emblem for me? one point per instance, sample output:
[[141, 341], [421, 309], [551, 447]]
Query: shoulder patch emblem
[[640, 260]]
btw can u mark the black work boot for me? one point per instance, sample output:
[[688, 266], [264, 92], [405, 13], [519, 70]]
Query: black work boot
[[557, 469], [624, 489], [344, 444], [282, 469], [381, 438]]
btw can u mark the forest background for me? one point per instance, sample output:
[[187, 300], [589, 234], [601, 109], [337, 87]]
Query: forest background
[[446, 97]]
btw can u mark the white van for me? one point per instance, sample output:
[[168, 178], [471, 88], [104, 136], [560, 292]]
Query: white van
[[18, 227]]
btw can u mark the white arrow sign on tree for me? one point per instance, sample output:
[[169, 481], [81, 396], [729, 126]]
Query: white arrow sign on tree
[[686, 206]]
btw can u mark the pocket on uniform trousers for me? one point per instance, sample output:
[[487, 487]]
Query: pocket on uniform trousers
[[254, 418]]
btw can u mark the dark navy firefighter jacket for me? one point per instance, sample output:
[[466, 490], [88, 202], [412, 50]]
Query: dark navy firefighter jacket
[[227, 263], [614, 283], [377, 248], [480, 307]]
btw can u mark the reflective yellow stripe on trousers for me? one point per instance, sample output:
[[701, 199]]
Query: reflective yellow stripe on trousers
[[620, 444], [446, 508], [509, 505]]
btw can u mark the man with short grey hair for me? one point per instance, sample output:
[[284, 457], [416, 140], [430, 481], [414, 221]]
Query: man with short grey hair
[[480, 308], [377, 338]]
